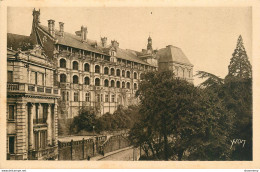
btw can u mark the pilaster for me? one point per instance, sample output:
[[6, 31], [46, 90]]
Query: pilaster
[[21, 129]]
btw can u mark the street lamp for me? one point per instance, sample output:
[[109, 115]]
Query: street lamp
[[93, 130]]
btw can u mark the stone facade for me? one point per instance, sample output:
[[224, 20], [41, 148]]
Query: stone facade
[[97, 74], [32, 127]]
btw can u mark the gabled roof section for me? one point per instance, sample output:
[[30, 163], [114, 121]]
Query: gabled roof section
[[73, 41], [172, 54], [15, 41]]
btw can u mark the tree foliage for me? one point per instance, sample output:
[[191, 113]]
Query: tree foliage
[[239, 64], [123, 118], [179, 121], [236, 93]]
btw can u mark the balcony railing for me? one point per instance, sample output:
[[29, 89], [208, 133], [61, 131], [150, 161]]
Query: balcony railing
[[39, 121], [30, 88], [48, 153]]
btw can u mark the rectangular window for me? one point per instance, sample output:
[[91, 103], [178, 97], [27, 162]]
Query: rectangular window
[[98, 97], [76, 97], [112, 98], [11, 144], [41, 79], [11, 112], [10, 76], [87, 97], [106, 98], [36, 78], [36, 140], [43, 139]]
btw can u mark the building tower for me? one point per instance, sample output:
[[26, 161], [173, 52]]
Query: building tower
[[149, 45], [36, 16]]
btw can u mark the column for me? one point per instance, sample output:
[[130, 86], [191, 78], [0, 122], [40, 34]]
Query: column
[[21, 126], [30, 122], [49, 121], [56, 122], [37, 114], [53, 124]]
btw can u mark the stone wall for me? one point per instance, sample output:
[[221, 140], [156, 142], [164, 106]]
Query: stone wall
[[114, 143], [81, 149]]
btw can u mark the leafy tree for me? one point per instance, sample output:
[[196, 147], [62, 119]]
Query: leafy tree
[[212, 81], [177, 118], [84, 121], [236, 93]]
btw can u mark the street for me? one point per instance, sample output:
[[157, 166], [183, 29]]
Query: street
[[126, 155]]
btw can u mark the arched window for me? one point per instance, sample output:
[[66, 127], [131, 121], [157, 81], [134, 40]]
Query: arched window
[[106, 70], [112, 84], [106, 83], [118, 84], [97, 82], [75, 79], [86, 80], [118, 72], [75, 65], [183, 72], [123, 84], [135, 86], [86, 67], [135, 75], [123, 73], [128, 85], [97, 69], [87, 97], [112, 71], [62, 63], [63, 78], [128, 74]]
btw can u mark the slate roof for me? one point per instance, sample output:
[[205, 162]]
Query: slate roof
[[129, 55], [172, 54], [16, 41], [73, 41]]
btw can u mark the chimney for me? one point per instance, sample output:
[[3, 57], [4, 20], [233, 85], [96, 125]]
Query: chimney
[[61, 29], [36, 16], [51, 26], [104, 41], [84, 32], [115, 43]]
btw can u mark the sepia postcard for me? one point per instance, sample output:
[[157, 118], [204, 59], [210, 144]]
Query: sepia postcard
[[122, 84]]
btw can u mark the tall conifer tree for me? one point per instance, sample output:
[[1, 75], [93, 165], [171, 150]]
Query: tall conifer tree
[[239, 64]]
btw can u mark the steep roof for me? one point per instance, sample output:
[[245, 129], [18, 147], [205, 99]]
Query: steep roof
[[16, 41], [73, 41], [129, 55], [172, 54]]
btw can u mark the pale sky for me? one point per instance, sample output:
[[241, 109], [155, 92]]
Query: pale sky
[[207, 35]]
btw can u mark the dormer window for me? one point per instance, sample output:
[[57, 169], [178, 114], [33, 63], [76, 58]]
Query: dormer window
[[113, 53]]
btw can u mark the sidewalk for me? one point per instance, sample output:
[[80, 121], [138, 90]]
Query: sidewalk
[[100, 157]]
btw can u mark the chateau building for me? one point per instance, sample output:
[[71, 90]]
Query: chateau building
[[31, 105], [52, 74], [97, 73]]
